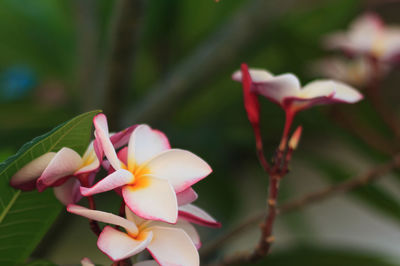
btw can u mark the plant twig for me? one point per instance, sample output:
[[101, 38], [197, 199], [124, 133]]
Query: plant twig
[[318, 196]]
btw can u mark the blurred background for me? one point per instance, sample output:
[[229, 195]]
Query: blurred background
[[168, 63]]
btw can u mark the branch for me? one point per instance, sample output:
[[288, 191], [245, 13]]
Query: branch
[[217, 54], [366, 178], [123, 39]]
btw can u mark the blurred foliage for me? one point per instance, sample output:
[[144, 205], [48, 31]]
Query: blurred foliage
[[40, 38]]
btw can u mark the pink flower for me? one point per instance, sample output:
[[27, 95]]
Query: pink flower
[[368, 35], [61, 170], [148, 172], [168, 244], [286, 91]]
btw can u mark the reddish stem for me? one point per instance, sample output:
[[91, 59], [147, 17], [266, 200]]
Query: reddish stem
[[288, 123], [260, 148], [94, 226]]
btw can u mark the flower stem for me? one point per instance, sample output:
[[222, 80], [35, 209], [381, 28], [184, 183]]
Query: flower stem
[[94, 225], [260, 149]]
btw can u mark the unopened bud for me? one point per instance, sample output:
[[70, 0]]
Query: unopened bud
[[294, 140]]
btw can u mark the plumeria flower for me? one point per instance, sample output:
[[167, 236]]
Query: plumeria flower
[[66, 170], [56, 169], [368, 35], [357, 72], [168, 244], [286, 90], [153, 172]]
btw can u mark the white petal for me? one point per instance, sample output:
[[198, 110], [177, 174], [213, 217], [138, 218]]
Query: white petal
[[279, 87], [341, 91], [118, 245], [25, 178], [185, 226], [133, 217], [101, 133], [90, 161], [257, 75], [186, 196], [64, 164], [104, 217], [152, 198], [172, 246], [181, 168], [318, 88], [68, 192], [116, 179], [197, 215], [144, 144]]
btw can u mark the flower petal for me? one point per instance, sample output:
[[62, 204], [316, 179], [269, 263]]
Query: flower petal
[[181, 168], [25, 178], [197, 215], [185, 226], [104, 217], [172, 246], [152, 198], [123, 155], [116, 179], [251, 103], [64, 164], [342, 92], [118, 245], [121, 138], [278, 87], [90, 161], [186, 196], [101, 133], [144, 144], [87, 262], [257, 75], [68, 192], [315, 89]]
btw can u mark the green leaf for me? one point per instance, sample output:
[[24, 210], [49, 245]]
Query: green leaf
[[316, 256], [370, 194], [26, 216]]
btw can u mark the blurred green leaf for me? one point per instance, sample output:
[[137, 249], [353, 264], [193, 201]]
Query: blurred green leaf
[[312, 256], [26, 216], [370, 194]]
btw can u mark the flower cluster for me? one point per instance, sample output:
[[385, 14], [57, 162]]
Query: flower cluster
[[154, 181], [372, 47]]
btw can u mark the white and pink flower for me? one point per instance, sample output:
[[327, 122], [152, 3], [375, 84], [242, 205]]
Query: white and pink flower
[[148, 172], [286, 90], [63, 170], [368, 35], [168, 244]]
